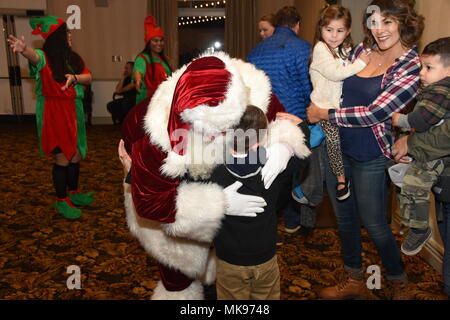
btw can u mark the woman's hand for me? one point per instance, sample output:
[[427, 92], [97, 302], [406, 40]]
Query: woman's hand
[[288, 116], [315, 114], [70, 80], [400, 150], [124, 157], [365, 57], [395, 118], [18, 45]]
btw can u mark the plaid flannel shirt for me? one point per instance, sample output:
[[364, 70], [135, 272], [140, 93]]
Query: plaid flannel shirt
[[400, 85]]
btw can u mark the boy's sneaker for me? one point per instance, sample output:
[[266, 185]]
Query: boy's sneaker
[[81, 199], [66, 208], [344, 193], [415, 241], [298, 195]]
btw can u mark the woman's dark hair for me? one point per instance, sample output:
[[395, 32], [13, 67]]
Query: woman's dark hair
[[328, 14], [441, 48], [411, 24], [148, 50], [248, 132], [61, 58]]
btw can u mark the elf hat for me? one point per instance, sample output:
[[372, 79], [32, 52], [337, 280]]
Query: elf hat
[[210, 97], [151, 30], [45, 26]]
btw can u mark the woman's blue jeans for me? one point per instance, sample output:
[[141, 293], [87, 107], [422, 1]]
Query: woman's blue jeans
[[444, 228], [367, 205]]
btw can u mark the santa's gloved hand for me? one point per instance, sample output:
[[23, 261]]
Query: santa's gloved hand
[[241, 204], [278, 156]]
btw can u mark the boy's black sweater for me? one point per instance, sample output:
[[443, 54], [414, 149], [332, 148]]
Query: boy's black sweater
[[248, 241]]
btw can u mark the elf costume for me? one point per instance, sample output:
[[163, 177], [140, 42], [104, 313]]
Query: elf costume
[[60, 122], [171, 208], [151, 76]]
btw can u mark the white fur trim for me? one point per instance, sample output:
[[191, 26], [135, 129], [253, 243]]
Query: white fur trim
[[200, 158], [257, 83], [193, 292], [190, 257], [200, 209], [287, 132]]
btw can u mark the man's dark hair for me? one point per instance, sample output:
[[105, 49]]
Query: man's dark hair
[[441, 48], [287, 16]]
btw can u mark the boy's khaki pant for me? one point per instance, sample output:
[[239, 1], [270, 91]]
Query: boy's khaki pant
[[260, 282]]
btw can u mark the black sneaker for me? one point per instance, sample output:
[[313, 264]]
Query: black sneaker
[[414, 242], [343, 193]]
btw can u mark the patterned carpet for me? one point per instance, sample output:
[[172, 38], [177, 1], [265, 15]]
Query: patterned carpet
[[37, 245]]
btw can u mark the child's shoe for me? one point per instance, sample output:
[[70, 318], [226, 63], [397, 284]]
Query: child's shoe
[[66, 208], [81, 199], [415, 240], [298, 195], [344, 193]]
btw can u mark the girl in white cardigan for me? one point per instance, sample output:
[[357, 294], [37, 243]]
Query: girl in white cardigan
[[328, 69]]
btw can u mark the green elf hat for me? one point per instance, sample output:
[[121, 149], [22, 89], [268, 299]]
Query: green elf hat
[[45, 26]]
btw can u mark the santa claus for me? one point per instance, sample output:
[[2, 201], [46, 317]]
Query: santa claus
[[175, 143]]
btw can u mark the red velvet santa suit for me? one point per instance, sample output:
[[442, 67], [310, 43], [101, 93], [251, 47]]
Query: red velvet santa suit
[[171, 208]]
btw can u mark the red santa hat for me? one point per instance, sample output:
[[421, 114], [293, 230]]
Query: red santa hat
[[151, 30], [204, 83]]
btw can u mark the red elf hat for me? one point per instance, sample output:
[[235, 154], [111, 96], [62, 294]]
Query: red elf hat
[[45, 26], [151, 30]]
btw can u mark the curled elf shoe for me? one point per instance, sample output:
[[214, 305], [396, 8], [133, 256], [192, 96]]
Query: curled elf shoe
[[66, 208], [81, 199]]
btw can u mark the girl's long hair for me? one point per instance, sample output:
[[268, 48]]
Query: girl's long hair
[[61, 58], [328, 14], [148, 51]]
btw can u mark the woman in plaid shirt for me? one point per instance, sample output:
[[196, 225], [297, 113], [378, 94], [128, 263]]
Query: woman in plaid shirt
[[369, 99]]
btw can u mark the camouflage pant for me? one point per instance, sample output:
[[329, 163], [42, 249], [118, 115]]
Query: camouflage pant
[[415, 195]]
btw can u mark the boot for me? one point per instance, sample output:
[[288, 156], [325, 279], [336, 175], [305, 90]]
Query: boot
[[66, 208], [81, 199], [347, 289], [400, 290]]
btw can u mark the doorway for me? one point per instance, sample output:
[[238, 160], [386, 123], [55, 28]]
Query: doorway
[[201, 28]]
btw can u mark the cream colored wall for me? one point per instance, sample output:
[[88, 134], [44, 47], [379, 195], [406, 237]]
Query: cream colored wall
[[106, 31], [437, 22], [310, 11], [357, 9], [264, 7]]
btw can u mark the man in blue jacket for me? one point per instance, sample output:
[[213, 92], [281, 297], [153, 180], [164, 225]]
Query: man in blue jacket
[[284, 57]]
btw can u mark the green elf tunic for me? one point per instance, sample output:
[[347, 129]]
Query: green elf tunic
[[150, 82], [59, 114]]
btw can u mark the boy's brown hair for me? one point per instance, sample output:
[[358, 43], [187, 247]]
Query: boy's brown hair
[[250, 129], [441, 48]]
